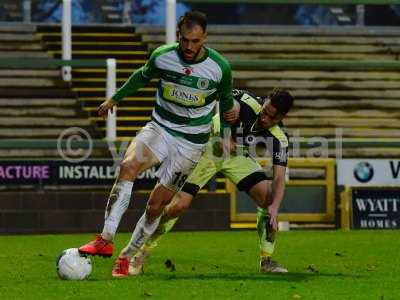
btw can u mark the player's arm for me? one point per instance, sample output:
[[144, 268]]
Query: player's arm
[[225, 105], [232, 115], [225, 94], [137, 80], [277, 193], [279, 160]]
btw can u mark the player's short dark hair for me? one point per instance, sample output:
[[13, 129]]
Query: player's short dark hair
[[193, 18], [282, 100]]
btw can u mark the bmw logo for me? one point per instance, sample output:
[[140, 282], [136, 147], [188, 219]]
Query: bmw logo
[[363, 172]]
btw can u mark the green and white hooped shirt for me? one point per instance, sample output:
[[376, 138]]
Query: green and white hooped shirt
[[186, 93]]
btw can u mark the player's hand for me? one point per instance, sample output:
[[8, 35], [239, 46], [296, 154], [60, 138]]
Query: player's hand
[[273, 213], [233, 114], [103, 109], [228, 146]]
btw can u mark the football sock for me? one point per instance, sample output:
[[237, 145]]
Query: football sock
[[164, 227], [118, 202], [266, 233], [143, 230]]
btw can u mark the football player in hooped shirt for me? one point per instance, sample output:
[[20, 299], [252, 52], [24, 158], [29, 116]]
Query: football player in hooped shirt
[[259, 124], [193, 79]]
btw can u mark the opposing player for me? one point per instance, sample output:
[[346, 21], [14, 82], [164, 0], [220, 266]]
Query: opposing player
[[193, 79], [259, 124]]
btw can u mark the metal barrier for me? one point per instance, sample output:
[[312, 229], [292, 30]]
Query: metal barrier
[[247, 219]]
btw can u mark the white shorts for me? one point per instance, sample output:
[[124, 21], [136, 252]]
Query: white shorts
[[178, 157]]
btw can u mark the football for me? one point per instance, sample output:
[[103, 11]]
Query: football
[[71, 265]]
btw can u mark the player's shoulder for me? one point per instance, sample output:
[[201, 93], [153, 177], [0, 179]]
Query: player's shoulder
[[248, 98], [163, 49], [218, 58], [239, 93], [280, 135]]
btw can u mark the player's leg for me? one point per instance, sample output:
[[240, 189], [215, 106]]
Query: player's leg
[[144, 228], [149, 221], [138, 157], [249, 177], [173, 172], [261, 193], [201, 175], [177, 207], [204, 171]]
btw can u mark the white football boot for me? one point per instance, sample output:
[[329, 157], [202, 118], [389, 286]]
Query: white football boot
[[137, 262], [267, 265]]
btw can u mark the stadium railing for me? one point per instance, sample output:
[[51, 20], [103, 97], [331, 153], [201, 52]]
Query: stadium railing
[[345, 208]]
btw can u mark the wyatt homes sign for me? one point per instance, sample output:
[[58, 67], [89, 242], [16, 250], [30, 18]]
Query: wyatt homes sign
[[375, 208]]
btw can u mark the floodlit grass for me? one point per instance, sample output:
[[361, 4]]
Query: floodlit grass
[[214, 265]]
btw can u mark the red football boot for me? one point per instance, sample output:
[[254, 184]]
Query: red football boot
[[121, 267], [98, 246]]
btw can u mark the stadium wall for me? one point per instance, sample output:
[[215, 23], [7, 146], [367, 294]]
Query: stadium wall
[[66, 210]]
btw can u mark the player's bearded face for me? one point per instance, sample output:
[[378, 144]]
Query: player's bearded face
[[191, 41], [269, 116]]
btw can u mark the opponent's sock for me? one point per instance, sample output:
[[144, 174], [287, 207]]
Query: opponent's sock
[[143, 230], [118, 202], [266, 233], [164, 227]]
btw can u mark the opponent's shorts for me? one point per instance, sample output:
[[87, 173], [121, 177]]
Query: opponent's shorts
[[178, 157], [243, 171]]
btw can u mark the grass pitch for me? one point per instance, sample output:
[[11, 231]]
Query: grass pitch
[[214, 265]]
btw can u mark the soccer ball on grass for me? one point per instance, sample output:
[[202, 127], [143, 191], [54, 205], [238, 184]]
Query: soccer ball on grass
[[71, 265]]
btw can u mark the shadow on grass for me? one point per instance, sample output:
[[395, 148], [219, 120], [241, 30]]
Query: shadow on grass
[[289, 277], [277, 277]]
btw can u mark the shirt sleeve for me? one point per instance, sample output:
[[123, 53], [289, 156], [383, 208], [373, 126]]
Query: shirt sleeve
[[137, 80], [279, 153]]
